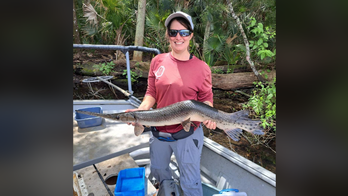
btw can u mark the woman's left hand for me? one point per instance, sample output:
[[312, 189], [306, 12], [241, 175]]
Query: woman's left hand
[[210, 124]]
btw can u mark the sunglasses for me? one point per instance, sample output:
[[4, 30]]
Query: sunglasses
[[183, 33]]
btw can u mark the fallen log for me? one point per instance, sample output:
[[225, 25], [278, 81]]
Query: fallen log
[[237, 80], [220, 81]]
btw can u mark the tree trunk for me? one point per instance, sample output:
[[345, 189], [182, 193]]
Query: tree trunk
[[237, 80], [206, 37], [139, 32], [259, 77], [76, 34]]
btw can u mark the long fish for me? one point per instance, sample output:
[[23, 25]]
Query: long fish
[[183, 113]]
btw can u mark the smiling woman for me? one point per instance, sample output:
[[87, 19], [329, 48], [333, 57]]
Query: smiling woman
[[174, 77], [179, 33]]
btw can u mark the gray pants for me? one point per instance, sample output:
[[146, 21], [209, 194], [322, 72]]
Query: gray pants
[[187, 152]]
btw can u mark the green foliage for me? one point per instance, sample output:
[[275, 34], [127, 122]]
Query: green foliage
[[220, 48], [134, 75], [117, 23], [262, 10], [156, 14], [209, 58], [263, 103], [112, 16], [121, 13], [217, 71], [229, 70], [155, 34], [214, 49], [105, 68], [259, 43]]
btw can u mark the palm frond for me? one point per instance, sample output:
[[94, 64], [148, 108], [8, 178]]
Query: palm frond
[[90, 14]]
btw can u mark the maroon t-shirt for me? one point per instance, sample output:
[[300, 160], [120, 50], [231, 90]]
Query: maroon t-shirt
[[171, 80]]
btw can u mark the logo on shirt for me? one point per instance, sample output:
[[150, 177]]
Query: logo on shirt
[[159, 72]]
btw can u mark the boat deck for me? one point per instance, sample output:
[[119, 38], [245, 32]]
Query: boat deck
[[103, 146], [108, 138], [104, 149], [100, 178]]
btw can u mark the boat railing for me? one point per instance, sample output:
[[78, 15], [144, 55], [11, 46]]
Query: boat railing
[[125, 50]]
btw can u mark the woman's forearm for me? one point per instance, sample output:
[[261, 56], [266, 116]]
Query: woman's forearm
[[147, 103]]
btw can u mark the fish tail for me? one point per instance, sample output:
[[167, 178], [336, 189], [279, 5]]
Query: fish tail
[[234, 134], [241, 121], [251, 126]]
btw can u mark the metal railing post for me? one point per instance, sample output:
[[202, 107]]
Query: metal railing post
[[129, 74]]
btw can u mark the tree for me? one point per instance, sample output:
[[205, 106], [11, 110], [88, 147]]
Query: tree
[[229, 4], [139, 32], [76, 34]]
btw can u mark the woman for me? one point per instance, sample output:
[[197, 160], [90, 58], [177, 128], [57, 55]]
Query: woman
[[173, 77]]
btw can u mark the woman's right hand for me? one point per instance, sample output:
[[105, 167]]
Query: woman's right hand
[[131, 110], [147, 103]]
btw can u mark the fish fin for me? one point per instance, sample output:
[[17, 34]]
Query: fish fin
[[186, 125], [138, 129], [234, 133], [258, 132], [242, 113], [251, 126]]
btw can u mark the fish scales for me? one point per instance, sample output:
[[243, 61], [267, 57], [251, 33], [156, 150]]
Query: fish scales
[[190, 110], [177, 113]]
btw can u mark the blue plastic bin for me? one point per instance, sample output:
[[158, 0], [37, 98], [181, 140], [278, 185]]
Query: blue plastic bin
[[131, 182], [84, 120], [209, 190]]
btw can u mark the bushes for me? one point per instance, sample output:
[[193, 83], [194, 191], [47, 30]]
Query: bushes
[[263, 103], [263, 106]]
